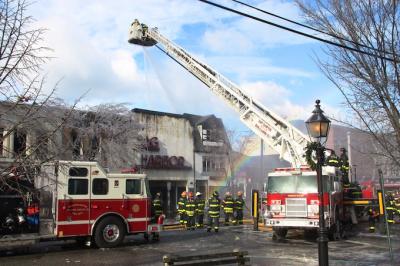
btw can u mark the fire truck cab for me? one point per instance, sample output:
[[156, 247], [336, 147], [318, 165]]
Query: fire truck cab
[[291, 201], [82, 200]]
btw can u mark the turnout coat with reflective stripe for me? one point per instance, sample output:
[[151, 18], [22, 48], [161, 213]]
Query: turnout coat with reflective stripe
[[214, 205]]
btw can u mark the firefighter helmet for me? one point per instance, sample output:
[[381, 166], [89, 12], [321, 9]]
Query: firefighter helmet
[[198, 194], [183, 194], [215, 194]]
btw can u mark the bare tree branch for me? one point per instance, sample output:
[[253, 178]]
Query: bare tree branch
[[370, 85]]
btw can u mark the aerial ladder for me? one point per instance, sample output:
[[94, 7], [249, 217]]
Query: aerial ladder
[[278, 133]]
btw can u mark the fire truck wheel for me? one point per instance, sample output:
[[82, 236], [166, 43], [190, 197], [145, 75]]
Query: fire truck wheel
[[310, 234], [280, 233], [110, 232], [336, 231]]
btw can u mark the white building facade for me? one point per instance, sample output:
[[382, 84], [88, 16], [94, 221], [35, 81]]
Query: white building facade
[[182, 153]]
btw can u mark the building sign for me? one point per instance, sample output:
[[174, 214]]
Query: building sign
[[163, 162], [156, 161]]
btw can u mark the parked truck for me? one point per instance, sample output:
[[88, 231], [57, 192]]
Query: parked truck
[[80, 200]]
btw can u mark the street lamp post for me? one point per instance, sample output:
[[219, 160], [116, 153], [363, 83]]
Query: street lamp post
[[318, 128]]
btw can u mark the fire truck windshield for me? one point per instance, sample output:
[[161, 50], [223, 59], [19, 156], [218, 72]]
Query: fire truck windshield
[[295, 184]]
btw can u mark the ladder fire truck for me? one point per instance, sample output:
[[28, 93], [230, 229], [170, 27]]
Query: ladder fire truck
[[81, 200], [292, 199]]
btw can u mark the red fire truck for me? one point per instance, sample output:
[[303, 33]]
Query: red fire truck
[[292, 201], [81, 200]]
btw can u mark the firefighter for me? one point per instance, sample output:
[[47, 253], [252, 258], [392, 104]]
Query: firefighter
[[190, 209], [397, 202], [390, 207], [332, 159], [181, 208], [200, 204], [228, 208], [344, 167], [397, 198], [372, 217], [157, 206], [356, 191], [214, 206], [238, 207]]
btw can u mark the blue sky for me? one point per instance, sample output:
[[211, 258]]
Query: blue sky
[[91, 53]]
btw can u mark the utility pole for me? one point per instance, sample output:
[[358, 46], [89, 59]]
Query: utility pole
[[262, 160], [349, 155]]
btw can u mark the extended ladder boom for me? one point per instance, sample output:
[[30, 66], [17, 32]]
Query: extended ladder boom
[[287, 140]]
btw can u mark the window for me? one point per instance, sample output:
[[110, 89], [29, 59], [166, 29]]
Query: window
[[206, 134], [100, 186], [76, 145], [19, 142], [77, 186], [133, 186], [213, 164], [94, 147], [78, 171], [296, 184], [206, 164]]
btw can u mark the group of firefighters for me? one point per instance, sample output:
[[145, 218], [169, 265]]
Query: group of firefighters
[[392, 200], [392, 204], [192, 209]]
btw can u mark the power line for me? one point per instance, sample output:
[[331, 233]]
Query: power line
[[296, 31], [311, 28]]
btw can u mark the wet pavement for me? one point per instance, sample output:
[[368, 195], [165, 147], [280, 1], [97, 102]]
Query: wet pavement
[[361, 248]]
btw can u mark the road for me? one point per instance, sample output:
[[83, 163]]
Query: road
[[359, 249]]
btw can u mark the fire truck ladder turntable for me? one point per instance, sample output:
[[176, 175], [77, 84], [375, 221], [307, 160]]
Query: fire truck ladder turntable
[[284, 138]]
